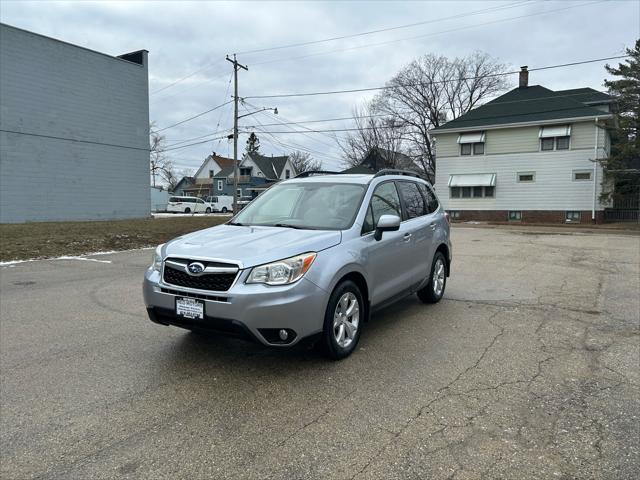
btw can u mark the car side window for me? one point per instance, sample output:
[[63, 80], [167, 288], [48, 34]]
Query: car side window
[[430, 197], [414, 203], [384, 201]]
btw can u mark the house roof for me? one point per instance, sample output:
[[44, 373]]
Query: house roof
[[225, 172], [271, 166], [531, 104], [221, 161], [359, 169]]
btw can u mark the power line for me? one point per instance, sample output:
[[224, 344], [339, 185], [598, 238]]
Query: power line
[[343, 37], [194, 117], [185, 77], [397, 126], [433, 34], [386, 87], [198, 138], [381, 30], [192, 144], [382, 115]]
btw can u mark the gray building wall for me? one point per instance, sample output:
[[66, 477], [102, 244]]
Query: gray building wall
[[74, 132]]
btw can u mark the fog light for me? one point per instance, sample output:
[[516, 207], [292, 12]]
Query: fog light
[[283, 334]]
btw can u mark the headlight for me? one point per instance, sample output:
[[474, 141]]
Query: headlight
[[156, 260], [282, 272]]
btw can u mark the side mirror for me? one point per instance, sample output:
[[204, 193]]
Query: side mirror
[[386, 223]]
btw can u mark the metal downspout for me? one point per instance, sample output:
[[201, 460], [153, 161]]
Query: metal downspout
[[595, 174]]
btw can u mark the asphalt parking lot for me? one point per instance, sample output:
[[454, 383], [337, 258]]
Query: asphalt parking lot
[[528, 368]]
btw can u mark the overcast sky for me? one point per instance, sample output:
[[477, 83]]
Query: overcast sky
[[183, 38]]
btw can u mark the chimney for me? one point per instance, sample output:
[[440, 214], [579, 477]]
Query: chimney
[[524, 76]]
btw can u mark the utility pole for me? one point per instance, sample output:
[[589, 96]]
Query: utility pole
[[236, 66]]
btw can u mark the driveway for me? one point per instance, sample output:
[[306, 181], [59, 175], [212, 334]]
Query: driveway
[[527, 369]]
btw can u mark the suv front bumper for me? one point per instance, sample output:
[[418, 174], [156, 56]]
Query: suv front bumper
[[250, 311]]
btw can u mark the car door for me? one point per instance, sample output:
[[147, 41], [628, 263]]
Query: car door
[[388, 261], [418, 228]]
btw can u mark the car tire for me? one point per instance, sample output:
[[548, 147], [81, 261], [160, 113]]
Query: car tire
[[187, 210], [434, 289], [224, 210], [208, 210], [339, 339]]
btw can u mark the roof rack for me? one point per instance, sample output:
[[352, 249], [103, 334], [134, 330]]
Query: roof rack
[[309, 173], [393, 171]]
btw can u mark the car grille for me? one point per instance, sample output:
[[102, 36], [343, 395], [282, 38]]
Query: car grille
[[219, 282]]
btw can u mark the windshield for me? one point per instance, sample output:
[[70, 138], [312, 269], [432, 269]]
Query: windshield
[[321, 206]]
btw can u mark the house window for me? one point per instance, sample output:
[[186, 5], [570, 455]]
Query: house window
[[287, 174], [472, 148], [546, 143], [210, 173], [525, 177], [239, 192], [245, 171], [562, 143], [220, 185], [471, 192], [572, 216], [555, 137], [471, 143], [582, 175], [515, 216], [454, 214]]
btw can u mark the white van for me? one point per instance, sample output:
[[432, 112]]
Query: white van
[[221, 203], [188, 205]]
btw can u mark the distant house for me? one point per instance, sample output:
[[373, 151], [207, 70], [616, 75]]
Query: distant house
[[255, 173], [184, 183], [380, 158], [528, 155]]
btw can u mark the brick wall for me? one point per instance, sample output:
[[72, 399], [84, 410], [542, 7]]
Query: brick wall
[[528, 216]]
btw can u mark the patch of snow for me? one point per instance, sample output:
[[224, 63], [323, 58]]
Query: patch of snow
[[13, 263]]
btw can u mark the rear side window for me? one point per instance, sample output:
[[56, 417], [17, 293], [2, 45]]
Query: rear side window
[[414, 204], [430, 197], [384, 201], [174, 199]]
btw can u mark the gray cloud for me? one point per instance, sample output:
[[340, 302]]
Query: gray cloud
[[183, 37]]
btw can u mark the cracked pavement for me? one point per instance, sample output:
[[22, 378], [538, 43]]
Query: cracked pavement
[[528, 368]]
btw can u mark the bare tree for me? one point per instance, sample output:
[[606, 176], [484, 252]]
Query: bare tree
[[425, 94], [375, 130], [304, 162], [159, 163]]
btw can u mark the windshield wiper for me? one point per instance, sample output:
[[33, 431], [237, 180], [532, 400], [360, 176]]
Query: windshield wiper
[[237, 223], [288, 225]]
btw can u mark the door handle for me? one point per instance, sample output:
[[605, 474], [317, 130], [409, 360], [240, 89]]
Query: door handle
[[433, 226], [406, 237]]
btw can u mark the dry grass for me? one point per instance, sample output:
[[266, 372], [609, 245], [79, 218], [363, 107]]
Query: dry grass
[[41, 240]]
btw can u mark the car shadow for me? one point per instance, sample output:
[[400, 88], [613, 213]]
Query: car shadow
[[208, 350]]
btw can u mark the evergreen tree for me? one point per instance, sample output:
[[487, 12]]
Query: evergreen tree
[[622, 167], [253, 143]]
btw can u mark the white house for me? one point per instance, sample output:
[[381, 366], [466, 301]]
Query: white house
[[528, 156]]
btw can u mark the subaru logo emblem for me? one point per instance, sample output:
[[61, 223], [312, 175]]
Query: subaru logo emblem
[[195, 268]]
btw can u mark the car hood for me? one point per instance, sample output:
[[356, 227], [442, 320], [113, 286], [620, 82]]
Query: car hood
[[250, 246]]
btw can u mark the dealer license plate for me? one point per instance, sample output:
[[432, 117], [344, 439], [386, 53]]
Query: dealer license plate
[[189, 308]]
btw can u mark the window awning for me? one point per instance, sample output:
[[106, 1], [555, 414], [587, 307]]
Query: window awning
[[475, 137], [555, 131], [473, 180]]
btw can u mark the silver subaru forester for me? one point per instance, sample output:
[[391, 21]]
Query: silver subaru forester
[[309, 259]]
